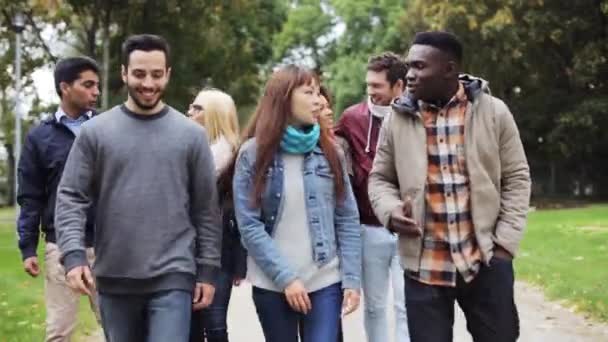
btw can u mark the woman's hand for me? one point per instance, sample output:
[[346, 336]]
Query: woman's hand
[[350, 302], [297, 297]]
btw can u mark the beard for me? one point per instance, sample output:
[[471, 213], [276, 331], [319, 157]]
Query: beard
[[134, 94]]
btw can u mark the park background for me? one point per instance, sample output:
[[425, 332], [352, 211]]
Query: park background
[[547, 59]]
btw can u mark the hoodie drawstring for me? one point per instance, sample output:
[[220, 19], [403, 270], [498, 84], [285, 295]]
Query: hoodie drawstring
[[369, 133]]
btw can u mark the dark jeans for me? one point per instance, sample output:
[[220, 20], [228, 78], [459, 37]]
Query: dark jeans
[[487, 303], [281, 324], [151, 317], [211, 322]]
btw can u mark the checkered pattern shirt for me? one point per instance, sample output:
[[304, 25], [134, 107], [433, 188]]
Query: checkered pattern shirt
[[449, 244]]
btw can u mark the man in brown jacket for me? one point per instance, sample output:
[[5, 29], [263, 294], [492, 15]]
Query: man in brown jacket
[[451, 178]]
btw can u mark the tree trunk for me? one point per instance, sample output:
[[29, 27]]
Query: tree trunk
[[552, 178], [11, 174], [105, 95]]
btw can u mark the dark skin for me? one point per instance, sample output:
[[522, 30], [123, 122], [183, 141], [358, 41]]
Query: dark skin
[[432, 74], [433, 78]]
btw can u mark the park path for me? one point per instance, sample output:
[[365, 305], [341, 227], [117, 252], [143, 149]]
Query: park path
[[541, 321]]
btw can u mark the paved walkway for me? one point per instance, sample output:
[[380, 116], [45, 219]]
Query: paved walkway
[[541, 321]]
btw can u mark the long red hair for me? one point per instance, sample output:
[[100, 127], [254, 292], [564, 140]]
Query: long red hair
[[270, 121]]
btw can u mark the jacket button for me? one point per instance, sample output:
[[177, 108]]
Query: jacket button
[[271, 218], [278, 195]]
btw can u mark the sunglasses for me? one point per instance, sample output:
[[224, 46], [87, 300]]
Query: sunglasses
[[194, 108]]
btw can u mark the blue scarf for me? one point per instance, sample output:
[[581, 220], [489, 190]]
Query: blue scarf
[[297, 141]]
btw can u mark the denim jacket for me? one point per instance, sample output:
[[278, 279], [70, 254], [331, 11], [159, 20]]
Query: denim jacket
[[334, 225]]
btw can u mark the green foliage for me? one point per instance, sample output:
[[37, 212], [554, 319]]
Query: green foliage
[[224, 44], [300, 36], [547, 59]]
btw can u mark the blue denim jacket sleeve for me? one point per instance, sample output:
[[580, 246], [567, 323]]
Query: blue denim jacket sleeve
[[348, 232], [259, 244]]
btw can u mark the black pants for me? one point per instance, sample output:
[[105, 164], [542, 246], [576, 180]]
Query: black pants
[[210, 324], [487, 303]]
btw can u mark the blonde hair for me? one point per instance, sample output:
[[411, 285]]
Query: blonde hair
[[219, 116]]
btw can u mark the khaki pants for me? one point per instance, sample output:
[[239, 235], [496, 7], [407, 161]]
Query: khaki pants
[[61, 301]]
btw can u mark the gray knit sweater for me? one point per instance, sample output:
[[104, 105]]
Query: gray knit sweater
[[152, 181]]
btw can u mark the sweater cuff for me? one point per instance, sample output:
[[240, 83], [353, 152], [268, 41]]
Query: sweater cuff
[[74, 259], [207, 274], [28, 252], [351, 283]]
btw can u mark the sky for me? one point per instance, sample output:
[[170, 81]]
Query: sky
[[44, 84]]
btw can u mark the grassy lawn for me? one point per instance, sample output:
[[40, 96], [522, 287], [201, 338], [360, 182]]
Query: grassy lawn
[[566, 253], [22, 310]]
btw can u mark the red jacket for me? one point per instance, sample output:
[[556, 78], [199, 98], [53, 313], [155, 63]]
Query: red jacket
[[354, 127]]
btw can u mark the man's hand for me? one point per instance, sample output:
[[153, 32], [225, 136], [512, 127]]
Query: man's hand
[[203, 296], [501, 253], [350, 302], [30, 265], [297, 297], [81, 280], [401, 221]]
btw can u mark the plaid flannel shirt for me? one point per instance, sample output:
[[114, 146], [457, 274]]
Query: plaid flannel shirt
[[449, 244]]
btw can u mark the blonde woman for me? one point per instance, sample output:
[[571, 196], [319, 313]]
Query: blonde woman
[[216, 111]]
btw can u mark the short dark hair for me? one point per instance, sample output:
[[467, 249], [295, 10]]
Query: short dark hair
[[69, 69], [145, 42], [394, 65], [445, 41]]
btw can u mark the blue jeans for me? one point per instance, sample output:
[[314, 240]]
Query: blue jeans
[[150, 317], [281, 324], [381, 264], [210, 323]]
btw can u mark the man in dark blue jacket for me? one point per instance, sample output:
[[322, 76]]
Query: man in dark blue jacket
[[44, 154]]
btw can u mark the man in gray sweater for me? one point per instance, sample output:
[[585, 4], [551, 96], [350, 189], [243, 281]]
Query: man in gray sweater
[[150, 173]]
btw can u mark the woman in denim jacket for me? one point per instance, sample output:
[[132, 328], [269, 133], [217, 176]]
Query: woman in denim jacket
[[297, 215]]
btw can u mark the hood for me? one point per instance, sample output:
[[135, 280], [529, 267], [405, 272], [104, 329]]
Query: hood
[[473, 86]]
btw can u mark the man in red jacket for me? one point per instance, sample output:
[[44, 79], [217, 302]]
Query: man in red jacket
[[357, 131]]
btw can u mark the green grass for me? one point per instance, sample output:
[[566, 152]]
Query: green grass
[[22, 310], [566, 253]]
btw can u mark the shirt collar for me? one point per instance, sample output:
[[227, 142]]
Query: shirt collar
[[458, 98], [60, 114]]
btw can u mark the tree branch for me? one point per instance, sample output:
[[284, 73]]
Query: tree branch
[[30, 19]]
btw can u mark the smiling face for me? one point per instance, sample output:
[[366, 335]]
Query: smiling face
[[379, 88], [146, 77], [326, 114], [429, 72], [305, 105]]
